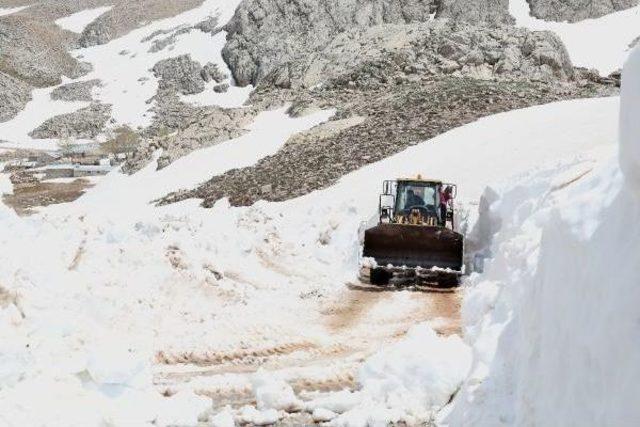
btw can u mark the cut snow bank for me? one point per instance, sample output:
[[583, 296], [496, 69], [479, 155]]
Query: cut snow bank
[[630, 123], [553, 321]]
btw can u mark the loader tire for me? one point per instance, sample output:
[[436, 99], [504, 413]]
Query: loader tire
[[380, 277]]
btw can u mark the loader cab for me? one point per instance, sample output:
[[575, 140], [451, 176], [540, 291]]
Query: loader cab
[[416, 194], [414, 201]]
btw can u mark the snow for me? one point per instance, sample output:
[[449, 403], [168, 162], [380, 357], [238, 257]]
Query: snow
[[223, 418], [122, 65], [112, 265], [408, 381], [253, 416], [114, 281], [629, 124], [4, 11], [274, 393], [38, 110], [553, 320], [321, 415], [79, 20], [601, 43]]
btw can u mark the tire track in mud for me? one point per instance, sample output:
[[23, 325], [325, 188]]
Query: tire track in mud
[[240, 357], [357, 323]]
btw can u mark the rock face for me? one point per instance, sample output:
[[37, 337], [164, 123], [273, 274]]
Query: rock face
[[14, 95], [265, 35], [180, 74], [186, 76], [288, 43], [77, 91], [491, 12], [577, 10], [384, 53], [127, 15], [86, 123]]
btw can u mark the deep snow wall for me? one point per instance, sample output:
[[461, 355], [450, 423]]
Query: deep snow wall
[[629, 123], [554, 321]]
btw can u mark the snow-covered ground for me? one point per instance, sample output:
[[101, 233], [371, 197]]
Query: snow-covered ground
[[124, 63], [39, 109], [78, 21], [109, 301], [191, 283], [601, 43]]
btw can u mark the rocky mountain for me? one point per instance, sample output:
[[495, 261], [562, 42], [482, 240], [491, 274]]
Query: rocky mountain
[[35, 50], [396, 72], [273, 39]]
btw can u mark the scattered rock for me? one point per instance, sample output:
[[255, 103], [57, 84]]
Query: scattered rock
[[209, 25], [127, 15], [491, 12], [180, 74], [180, 128], [376, 55], [390, 118], [221, 88], [211, 72]]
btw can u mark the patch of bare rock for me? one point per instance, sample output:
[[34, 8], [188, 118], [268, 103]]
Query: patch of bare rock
[[86, 123], [76, 91], [180, 128], [183, 75], [14, 95]]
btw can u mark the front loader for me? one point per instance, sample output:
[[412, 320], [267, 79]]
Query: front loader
[[415, 241]]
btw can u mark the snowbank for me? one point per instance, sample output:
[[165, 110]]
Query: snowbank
[[553, 320], [629, 123], [405, 382], [408, 381]]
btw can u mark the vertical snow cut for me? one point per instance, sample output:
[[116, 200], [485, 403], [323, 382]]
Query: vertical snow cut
[[553, 322]]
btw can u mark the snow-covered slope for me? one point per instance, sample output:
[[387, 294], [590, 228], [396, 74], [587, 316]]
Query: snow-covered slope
[[4, 11], [601, 43], [78, 21], [553, 321], [123, 67]]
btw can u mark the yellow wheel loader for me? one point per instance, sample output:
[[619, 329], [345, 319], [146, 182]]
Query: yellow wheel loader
[[415, 241]]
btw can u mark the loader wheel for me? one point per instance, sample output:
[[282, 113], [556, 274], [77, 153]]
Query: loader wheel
[[451, 281], [380, 277]]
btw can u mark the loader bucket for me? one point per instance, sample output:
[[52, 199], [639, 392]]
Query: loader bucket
[[414, 246]]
